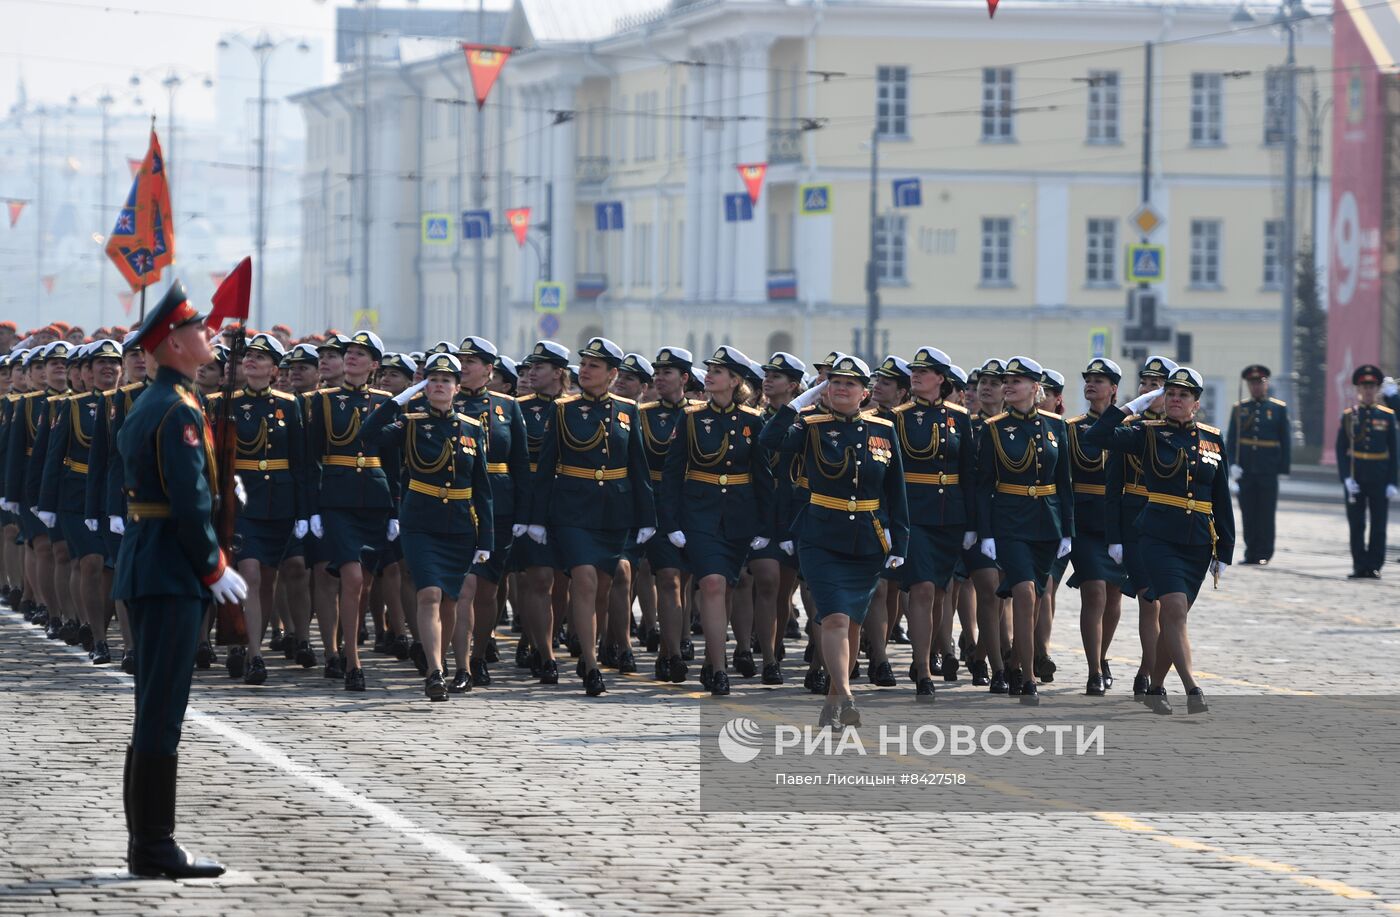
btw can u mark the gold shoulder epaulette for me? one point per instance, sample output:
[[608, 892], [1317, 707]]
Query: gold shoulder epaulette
[[811, 409], [1154, 423], [527, 397], [1282, 404], [995, 417], [1383, 409], [621, 399], [471, 420], [132, 386], [380, 391], [416, 415], [217, 395], [955, 407], [1076, 418], [697, 407], [817, 418], [284, 396], [750, 410], [1208, 428], [901, 408], [32, 394], [647, 405], [1051, 414], [875, 418], [566, 399]]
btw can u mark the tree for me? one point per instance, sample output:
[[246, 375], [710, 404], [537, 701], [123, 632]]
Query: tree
[[1310, 348]]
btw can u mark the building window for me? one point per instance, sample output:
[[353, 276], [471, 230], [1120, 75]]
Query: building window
[[892, 101], [1103, 106], [1273, 254], [1207, 109], [996, 251], [889, 249], [1205, 253], [1275, 106], [646, 126], [1100, 252], [998, 104]]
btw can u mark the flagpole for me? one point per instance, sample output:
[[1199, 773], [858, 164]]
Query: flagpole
[[143, 307]]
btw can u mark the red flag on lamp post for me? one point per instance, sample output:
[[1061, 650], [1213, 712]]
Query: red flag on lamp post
[[15, 208], [752, 174], [142, 243], [519, 220], [992, 8], [484, 63], [232, 297]]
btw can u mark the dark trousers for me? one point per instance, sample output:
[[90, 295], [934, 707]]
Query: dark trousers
[[1368, 554], [164, 630], [1258, 506]]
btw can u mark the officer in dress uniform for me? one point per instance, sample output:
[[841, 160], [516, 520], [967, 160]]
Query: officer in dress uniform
[[169, 565], [13, 593], [634, 377], [994, 644], [592, 487], [1187, 525], [1366, 463], [1260, 445], [716, 495]]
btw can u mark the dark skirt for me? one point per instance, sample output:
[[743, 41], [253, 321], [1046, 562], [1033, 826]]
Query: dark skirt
[[526, 553], [773, 552], [436, 560], [933, 555], [296, 547], [353, 536], [81, 542], [1175, 567], [579, 547], [1091, 562], [973, 559], [111, 543], [494, 570], [1025, 562], [1135, 567], [841, 584], [1058, 568], [377, 562], [662, 555], [707, 555], [263, 540]]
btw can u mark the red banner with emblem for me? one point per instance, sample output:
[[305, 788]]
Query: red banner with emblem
[[752, 173], [484, 63], [142, 243], [519, 220]]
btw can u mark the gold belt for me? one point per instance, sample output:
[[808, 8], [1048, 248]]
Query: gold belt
[[655, 475], [846, 506], [1137, 490], [351, 461], [1191, 505], [442, 493], [1026, 490], [592, 474], [78, 467], [534, 467], [1371, 456], [261, 465], [1245, 441], [719, 480], [1097, 490], [918, 477], [138, 511], [497, 468]]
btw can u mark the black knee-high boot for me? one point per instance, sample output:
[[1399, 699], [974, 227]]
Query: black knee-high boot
[[150, 800]]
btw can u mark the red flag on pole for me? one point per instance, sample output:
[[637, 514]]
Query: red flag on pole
[[519, 220], [752, 174], [142, 243], [484, 62], [232, 297], [15, 208], [992, 8], [134, 165], [126, 299], [218, 276], [48, 280]]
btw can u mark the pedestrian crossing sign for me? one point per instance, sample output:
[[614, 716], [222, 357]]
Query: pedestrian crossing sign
[[437, 228], [1146, 263], [816, 199], [549, 297]]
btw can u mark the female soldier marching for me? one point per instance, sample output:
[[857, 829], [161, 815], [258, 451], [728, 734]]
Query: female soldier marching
[[1188, 525]]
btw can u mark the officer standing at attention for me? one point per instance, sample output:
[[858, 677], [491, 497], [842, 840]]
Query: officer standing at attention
[[168, 566], [1366, 463], [1259, 444]]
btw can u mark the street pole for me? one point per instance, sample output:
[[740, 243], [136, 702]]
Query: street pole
[[264, 49], [365, 220], [872, 279], [39, 219], [171, 84], [479, 189], [104, 104], [1290, 178]]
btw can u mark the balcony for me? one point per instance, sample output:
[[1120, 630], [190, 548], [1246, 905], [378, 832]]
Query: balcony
[[588, 287], [784, 144], [592, 170]]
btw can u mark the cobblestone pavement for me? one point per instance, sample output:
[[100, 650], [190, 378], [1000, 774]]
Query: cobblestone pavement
[[518, 798]]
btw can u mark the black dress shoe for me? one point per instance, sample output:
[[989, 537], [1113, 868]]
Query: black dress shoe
[[1141, 684], [661, 671], [1370, 574], [679, 671], [203, 656], [950, 667], [1196, 701], [549, 672], [257, 672], [101, 655], [85, 637], [237, 661], [434, 687], [1157, 702], [593, 683], [420, 658], [461, 682], [882, 675], [41, 616], [1045, 669], [54, 631], [355, 680], [481, 676], [1107, 674], [607, 655], [128, 662], [533, 663], [28, 610], [289, 648], [574, 645], [305, 656], [779, 651], [827, 717], [335, 667], [1014, 682], [522, 654], [653, 640], [923, 691], [1029, 695], [772, 674], [913, 673], [402, 647], [792, 631], [847, 714], [900, 636], [687, 649], [719, 684], [381, 643], [744, 664], [821, 683], [707, 674], [1095, 686], [626, 663], [70, 633], [978, 670], [493, 653], [998, 683], [1357, 574]]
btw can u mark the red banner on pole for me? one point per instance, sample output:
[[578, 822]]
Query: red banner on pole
[[519, 220], [233, 295], [15, 208], [142, 243], [484, 62], [48, 280], [752, 174], [992, 8], [134, 165], [126, 299]]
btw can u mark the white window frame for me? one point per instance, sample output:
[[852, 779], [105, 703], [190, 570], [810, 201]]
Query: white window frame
[[1275, 106], [1103, 117], [1207, 261], [994, 260], [891, 249], [998, 105], [1207, 109], [892, 101], [1273, 255], [1101, 252]]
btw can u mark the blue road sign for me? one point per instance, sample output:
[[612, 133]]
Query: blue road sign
[[1145, 263], [815, 199], [549, 297], [608, 215], [549, 325], [437, 228], [476, 224], [908, 193], [737, 208]]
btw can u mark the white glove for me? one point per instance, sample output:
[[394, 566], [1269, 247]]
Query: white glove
[[1115, 551], [405, 396], [1140, 403], [300, 528], [316, 527], [989, 548], [1389, 389], [758, 544], [537, 534], [50, 520], [677, 539], [518, 530], [645, 533], [969, 539], [809, 397], [894, 560], [1236, 472], [239, 491], [1066, 545], [9, 507], [787, 547], [1216, 569], [1234, 489], [91, 524], [393, 529], [1390, 491], [481, 557], [1352, 487], [116, 525], [230, 588]]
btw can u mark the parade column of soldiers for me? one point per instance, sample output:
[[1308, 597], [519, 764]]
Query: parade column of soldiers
[[474, 492]]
